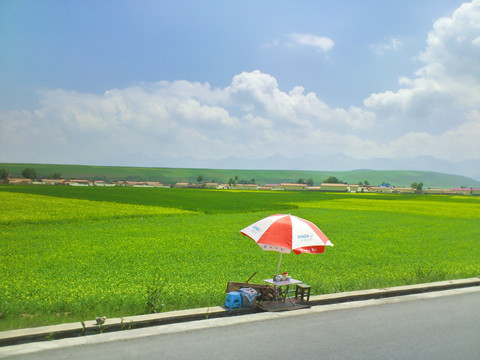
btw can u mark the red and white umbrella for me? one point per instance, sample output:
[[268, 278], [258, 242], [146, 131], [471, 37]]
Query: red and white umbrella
[[284, 233]]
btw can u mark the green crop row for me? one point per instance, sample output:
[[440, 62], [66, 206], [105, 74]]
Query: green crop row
[[74, 255], [25, 208]]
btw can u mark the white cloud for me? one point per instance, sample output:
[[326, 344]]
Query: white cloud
[[392, 44], [435, 113], [321, 43], [458, 143], [251, 116], [446, 87]]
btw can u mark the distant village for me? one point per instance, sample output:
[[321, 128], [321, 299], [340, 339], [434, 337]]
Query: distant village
[[327, 187]]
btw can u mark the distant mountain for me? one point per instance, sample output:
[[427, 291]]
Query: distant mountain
[[339, 162], [469, 168]]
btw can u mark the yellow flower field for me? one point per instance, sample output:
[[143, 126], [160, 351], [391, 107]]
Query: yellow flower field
[[65, 259]]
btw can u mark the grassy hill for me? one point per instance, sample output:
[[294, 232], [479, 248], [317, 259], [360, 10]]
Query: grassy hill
[[172, 175]]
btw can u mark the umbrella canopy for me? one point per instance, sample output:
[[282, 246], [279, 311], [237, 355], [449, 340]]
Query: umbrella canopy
[[284, 233]]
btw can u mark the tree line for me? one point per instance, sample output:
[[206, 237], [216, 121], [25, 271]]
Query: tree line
[[29, 173]]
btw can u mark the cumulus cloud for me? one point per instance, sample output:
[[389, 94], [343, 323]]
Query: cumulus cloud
[[435, 113], [252, 116], [430, 114], [449, 80]]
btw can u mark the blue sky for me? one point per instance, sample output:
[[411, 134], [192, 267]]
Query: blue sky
[[167, 80]]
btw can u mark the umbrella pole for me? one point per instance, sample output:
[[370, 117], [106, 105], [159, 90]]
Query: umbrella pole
[[278, 267]]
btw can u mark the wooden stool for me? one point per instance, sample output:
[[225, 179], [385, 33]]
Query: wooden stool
[[302, 290]]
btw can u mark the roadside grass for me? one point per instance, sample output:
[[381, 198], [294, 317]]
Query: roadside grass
[[64, 260]]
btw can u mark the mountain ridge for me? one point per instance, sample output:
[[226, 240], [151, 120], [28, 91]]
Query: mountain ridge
[[336, 162]]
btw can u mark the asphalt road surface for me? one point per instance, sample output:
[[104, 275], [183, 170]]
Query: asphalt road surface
[[441, 325]]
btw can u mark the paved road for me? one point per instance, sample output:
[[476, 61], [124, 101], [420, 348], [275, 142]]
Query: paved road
[[442, 325]]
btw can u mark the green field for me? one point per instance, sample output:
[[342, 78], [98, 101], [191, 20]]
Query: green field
[[173, 175], [71, 254]]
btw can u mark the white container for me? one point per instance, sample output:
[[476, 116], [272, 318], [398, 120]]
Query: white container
[[249, 296]]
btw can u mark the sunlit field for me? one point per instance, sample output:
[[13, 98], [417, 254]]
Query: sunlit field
[[71, 254]]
